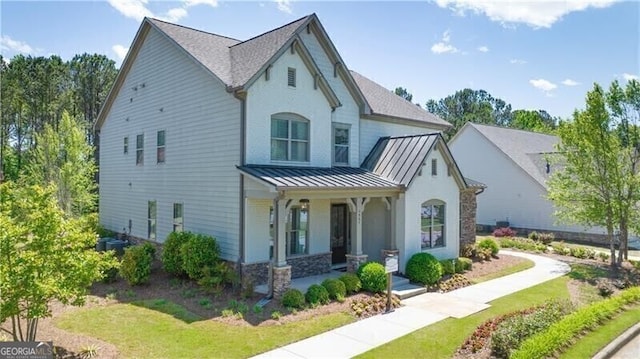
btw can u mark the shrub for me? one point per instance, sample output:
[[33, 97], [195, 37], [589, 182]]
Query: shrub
[[605, 288], [514, 330], [213, 278], [546, 238], [504, 232], [560, 249], [448, 266], [423, 268], [317, 294], [150, 249], [198, 252], [533, 236], [457, 281], [293, 298], [336, 288], [489, 244], [372, 305], [351, 282], [171, 253], [603, 256], [563, 332], [483, 254], [135, 267], [468, 250], [524, 244], [373, 277], [463, 264]]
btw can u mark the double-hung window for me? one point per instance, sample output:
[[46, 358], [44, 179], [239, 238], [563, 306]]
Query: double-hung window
[[151, 220], [289, 138], [161, 147], [140, 149], [178, 217], [126, 145], [432, 224], [297, 231], [341, 144]]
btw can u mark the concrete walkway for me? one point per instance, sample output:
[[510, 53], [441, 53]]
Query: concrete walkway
[[419, 312]]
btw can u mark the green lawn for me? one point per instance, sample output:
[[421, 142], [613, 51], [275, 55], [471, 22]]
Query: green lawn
[[161, 332], [590, 344], [506, 271], [441, 339]]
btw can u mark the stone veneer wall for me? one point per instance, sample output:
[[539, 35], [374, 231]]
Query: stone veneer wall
[[468, 207], [258, 272], [313, 264]]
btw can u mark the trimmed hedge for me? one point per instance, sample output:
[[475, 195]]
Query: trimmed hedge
[[293, 298], [424, 268], [373, 277], [198, 252], [562, 333], [317, 294], [171, 253], [136, 265], [351, 282], [336, 288]]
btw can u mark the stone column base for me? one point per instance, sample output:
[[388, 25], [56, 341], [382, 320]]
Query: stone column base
[[354, 261], [281, 280]]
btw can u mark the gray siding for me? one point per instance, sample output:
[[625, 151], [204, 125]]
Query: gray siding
[[202, 124]]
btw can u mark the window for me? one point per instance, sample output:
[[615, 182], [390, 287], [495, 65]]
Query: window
[[297, 231], [151, 220], [291, 77], [160, 144], [140, 149], [341, 144], [434, 167], [178, 217], [289, 138], [432, 217], [126, 145]]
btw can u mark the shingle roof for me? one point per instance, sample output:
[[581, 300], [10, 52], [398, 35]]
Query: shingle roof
[[398, 159], [526, 149], [348, 178], [386, 103]]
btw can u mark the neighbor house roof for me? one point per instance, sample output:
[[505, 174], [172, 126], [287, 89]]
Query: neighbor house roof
[[386, 103], [318, 178], [527, 149]]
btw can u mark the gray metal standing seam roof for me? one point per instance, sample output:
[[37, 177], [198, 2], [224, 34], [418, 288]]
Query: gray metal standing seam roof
[[291, 178], [526, 149]]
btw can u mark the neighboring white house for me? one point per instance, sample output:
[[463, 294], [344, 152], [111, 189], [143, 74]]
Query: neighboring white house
[[514, 166], [275, 148]]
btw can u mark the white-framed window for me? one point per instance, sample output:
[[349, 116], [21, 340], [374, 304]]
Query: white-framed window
[[298, 231], [151, 219], [126, 145], [289, 138], [140, 149], [178, 217], [291, 77], [434, 167], [160, 138], [432, 224], [341, 144]]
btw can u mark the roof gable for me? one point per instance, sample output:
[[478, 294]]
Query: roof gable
[[526, 149]]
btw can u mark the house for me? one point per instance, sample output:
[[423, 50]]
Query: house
[[275, 148], [515, 166]]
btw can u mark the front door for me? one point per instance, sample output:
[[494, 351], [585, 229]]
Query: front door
[[339, 233]]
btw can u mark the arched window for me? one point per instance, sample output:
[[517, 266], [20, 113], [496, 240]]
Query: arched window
[[432, 224], [289, 138]]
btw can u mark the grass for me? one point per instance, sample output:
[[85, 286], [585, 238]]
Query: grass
[[590, 344], [140, 332], [171, 308], [442, 339], [505, 271], [586, 272]]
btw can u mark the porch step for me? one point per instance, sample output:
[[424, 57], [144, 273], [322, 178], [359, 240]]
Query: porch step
[[399, 281], [408, 290]]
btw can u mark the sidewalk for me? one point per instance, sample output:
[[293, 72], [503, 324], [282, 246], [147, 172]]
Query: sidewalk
[[419, 312]]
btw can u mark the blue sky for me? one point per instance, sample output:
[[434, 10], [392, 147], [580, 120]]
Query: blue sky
[[535, 55]]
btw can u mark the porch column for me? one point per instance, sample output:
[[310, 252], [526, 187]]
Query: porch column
[[281, 271], [357, 257]]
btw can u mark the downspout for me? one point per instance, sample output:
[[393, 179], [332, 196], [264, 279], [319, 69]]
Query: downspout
[[242, 96]]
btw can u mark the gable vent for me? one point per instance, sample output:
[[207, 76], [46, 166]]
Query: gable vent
[[291, 77]]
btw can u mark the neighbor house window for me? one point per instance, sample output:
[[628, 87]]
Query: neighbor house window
[[139, 149], [289, 138], [341, 144], [126, 145], [297, 231], [291, 77], [178, 217], [432, 225], [434, 167], [160, 144], [151, 220]]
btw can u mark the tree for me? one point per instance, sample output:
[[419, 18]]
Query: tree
[[43, 257], [535, 121], [64, 158], [599, 184], [404, 93]]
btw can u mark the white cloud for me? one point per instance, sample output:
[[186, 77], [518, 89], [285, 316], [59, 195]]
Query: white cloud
[[190, 3], [483, 49], [284, 6], [120, 51], [175, 14], [570, 82], [138, 9], [443, 46], [543, 85], [540, 13], [629, 77], [517, 61], [9, 44]]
